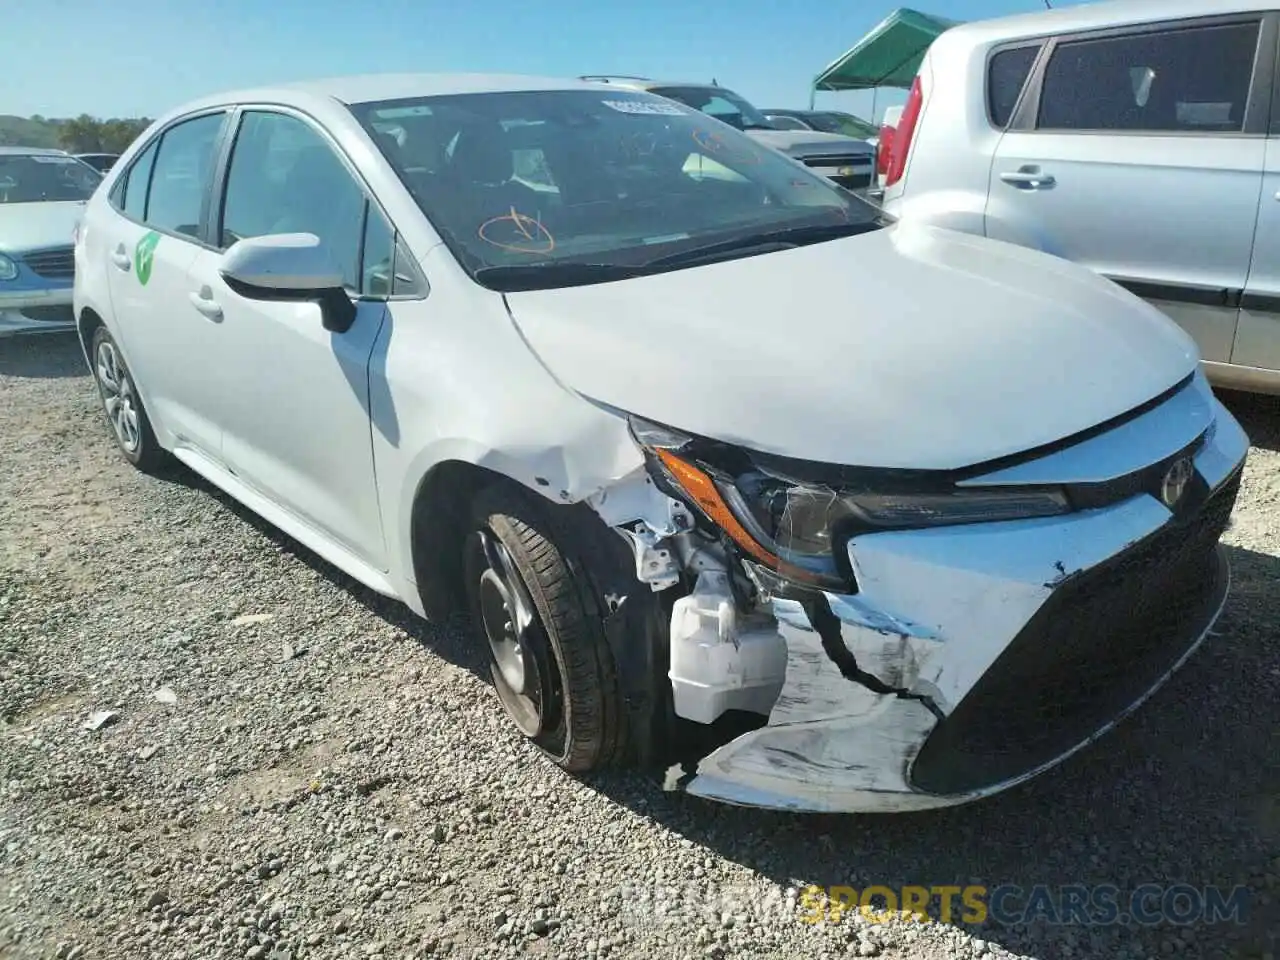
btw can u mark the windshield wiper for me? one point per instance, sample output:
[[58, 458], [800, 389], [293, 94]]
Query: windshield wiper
[[540, 276], [774, 239]]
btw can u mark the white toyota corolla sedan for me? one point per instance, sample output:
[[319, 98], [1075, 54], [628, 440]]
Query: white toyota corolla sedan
[[880, 517]]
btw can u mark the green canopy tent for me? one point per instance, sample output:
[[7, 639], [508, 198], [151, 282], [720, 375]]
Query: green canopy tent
[[888, 56]]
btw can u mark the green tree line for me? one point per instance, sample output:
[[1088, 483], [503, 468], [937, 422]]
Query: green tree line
[[82, 134]]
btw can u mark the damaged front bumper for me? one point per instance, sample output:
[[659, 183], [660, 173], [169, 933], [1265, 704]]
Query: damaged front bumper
[[972, 657]]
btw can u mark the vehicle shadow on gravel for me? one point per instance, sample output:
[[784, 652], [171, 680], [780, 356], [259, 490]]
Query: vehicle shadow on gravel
[[444, 639], [41, 356], [1190, 781], [1258, 413]]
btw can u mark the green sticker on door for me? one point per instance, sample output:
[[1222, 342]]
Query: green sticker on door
[[143, 255]]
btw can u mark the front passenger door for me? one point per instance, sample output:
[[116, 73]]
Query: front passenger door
[[295, 412]]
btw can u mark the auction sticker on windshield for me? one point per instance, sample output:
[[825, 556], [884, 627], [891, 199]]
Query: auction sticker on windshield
[[144, 254], [645, 106]]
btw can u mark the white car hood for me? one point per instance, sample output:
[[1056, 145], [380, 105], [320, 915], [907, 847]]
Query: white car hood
[[907, 347], [31, 226], [808, 143]]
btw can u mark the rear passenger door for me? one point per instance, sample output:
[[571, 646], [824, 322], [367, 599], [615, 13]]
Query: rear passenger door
[[1138, 152], [1258, 332], [161, 202]]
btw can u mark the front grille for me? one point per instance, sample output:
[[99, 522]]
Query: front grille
[[58, 314], [58, 263], [1102, 640]]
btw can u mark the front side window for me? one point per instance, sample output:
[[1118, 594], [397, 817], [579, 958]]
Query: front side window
[[180, 175], [725, 105], [285, 177], [1006, 76], [600, 179], [45, 178], [1193, 79]]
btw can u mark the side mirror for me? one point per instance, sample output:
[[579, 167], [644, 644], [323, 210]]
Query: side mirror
[[289, 266]]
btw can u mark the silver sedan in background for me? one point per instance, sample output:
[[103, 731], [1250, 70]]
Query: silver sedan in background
[[42, 197]]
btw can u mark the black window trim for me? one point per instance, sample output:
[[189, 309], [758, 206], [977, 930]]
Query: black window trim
[[1258, 105], [156, 140], [212, 224]]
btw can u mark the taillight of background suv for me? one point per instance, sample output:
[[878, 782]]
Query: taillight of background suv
[[901, 142]]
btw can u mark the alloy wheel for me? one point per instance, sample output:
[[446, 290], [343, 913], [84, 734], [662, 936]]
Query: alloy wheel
[[119, 397]]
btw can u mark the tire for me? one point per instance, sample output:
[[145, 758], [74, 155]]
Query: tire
[[123, 406], [568, 674]]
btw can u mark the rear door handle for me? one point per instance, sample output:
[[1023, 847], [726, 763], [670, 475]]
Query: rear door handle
[[204, 302], [121, 258], [1028, 176]]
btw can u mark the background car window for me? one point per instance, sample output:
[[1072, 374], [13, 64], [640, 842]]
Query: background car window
[[40, 178], [783, 122], [1006, 75], [136, 181], [725, 105], [1194, 79], [286, 178], [180, 175]]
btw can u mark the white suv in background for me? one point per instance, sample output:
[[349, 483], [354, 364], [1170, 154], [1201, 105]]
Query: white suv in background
[[1136, 138]]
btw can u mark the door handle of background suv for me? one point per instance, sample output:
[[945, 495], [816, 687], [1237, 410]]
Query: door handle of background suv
[[204, 302], [121, 258], [1028, 176]]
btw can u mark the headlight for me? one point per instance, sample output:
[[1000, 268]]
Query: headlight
[[8, 269], [799, 527]]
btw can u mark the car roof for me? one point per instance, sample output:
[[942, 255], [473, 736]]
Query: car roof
[[1093, 16], [368, 88], [29, 151]]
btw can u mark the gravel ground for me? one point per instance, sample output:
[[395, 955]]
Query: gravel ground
[[296, 768]]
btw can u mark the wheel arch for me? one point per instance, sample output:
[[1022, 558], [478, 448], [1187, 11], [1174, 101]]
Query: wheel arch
[[87, 322], [636, 619]]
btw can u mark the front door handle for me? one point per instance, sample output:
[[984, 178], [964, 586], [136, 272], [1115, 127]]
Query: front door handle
[[204, 302], [121, 258], [1028, 175]]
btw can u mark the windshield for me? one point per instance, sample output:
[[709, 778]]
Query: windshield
[[547, 178], [34, 177], [782, 121], [845, 123], [724, 105]]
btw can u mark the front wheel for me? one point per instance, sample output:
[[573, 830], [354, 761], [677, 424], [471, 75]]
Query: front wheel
[[534, 611], [128, 418]]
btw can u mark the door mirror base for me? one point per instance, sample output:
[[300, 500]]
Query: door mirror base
[[289, 267]]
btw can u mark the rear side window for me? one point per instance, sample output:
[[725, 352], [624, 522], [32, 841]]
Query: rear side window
[[1007, 74], [136, 181], [1187, 80], [180, 175]]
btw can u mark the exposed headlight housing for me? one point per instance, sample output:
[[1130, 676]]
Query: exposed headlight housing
[[799, 527], [8, 268]]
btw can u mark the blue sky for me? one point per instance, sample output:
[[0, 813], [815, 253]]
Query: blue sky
[[130, 59]]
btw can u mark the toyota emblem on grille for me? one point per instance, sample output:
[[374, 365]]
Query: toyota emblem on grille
[[1175, 481]]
